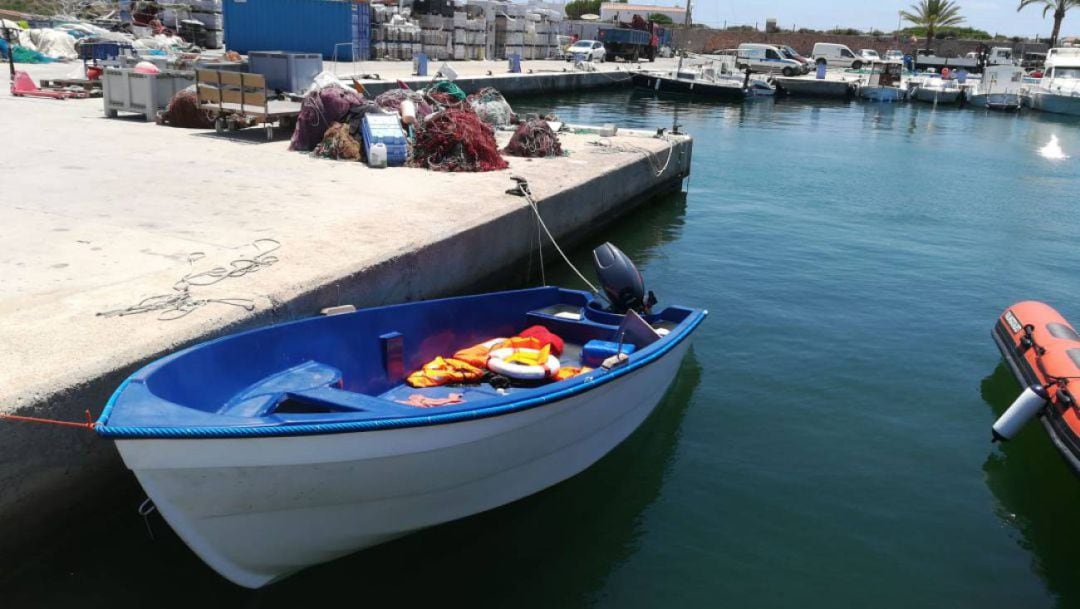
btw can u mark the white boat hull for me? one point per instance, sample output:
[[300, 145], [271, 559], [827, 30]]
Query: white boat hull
[[1047, 101], [939, 96], [996, 101], [259, 509], [882, 94]]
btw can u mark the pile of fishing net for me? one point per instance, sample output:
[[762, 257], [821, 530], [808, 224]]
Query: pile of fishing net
[[338, 143], [455, 139], [534, 138], [183, 111], [491, 107], [445, 93], [23, 54], [320, 109], [390, 101]]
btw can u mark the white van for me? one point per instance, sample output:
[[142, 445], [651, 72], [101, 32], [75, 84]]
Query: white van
[[838, 55], [766, 58]]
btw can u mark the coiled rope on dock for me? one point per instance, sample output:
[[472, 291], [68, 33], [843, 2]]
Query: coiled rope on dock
[[605, 145], [180, 302]]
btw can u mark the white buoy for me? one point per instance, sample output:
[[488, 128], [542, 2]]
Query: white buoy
[[1027, 405], [408, 112]]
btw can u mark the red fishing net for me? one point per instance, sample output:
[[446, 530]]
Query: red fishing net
[[456, 140], [534, 138], [183, 111]]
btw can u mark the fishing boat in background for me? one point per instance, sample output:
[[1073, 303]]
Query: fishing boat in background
[[283, 447], [713, 77], [1000, 88], [1059, 89], [934, 90], [882, 83], [1043, 351]]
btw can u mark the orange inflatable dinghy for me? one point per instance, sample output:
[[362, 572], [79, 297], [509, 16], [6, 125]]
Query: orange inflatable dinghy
[[1043, 351]]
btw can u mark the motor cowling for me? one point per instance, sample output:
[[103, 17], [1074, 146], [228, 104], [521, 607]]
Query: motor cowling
[[623, 285], [1026, 407]]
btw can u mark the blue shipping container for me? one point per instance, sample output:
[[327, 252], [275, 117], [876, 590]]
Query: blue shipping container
[[301, 26]]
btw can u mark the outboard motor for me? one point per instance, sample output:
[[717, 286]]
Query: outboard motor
[[1026, 407], [623, 285]]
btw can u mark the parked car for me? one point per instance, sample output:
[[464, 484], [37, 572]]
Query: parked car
[[592, 50], [870, 55], [894, 55], [836, 55], [791, 53], [766, 58]]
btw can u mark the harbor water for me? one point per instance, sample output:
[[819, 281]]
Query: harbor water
[[827, 442]]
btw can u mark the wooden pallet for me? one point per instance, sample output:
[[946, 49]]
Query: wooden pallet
[[92, 87]]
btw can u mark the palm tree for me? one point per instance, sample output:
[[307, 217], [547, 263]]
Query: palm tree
[[934, 14], [1060, 7]]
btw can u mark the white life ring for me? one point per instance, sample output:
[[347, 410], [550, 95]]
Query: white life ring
[[497, 363]]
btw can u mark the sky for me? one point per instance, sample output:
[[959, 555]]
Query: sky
[[994, 16]]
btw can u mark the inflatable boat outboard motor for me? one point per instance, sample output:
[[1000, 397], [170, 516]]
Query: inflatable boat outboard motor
[[623, 285]]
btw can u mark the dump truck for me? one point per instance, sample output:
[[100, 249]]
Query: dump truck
[[629, 44]]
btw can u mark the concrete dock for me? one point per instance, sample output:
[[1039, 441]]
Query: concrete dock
[[100, 214]]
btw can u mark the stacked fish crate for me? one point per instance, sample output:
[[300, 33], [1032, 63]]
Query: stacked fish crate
[[515, 37], [397, 38], [206, 12], [435, 37]]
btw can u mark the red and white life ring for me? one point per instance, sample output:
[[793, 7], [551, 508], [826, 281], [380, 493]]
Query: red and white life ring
[[497, 363]]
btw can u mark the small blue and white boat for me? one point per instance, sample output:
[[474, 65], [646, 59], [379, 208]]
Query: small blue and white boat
[[284, 447], [882, 84]]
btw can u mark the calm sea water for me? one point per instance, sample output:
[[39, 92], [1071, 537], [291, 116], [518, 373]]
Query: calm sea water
[[826, 443]]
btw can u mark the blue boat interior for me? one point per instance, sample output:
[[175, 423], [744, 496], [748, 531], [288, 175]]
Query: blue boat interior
[[352, 367]]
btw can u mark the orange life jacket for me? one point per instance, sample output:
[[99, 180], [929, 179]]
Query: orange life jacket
[[569, 372], [442, 371], [477, 355]]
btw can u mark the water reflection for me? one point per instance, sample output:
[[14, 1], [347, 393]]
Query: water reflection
[[1037, 494]]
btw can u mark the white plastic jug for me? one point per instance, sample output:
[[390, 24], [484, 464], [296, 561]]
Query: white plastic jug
[[377, 155]]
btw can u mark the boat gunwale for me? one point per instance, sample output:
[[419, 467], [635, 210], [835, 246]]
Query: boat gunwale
[[582, 385]]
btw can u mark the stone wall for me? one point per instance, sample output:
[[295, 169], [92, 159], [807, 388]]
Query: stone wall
[[704, 40]]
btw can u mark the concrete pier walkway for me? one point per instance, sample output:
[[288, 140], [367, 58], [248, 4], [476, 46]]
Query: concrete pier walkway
[[100, 214]]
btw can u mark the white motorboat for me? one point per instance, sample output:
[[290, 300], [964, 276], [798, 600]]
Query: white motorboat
[[283, 447], [1000, 88], [882, 84], [1059, 89], [935, 90]]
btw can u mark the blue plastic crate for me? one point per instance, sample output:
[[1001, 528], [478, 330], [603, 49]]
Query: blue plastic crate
[[386, 129]]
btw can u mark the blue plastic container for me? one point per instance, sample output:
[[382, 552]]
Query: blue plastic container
[[300, 26], [596, 351], [386, 129]]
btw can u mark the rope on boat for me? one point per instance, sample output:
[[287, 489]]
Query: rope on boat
[[89, 424], [522, 189], [146, 508]]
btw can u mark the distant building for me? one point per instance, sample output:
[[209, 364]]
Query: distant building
[[615, 11]]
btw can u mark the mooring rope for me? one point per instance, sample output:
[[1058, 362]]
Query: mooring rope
[[523, 190]]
